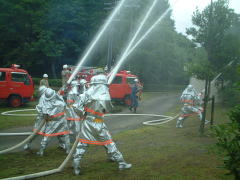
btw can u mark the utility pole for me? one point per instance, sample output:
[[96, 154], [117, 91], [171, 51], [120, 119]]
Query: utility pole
[[208, 78], [110, 6]]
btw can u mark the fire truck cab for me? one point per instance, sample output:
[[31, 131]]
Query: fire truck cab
[[120, 88], [16, 85]]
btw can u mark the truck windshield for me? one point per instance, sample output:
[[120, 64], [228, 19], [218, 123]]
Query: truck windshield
[[130, 80], [117, 80], [2, 76], [20, 77]]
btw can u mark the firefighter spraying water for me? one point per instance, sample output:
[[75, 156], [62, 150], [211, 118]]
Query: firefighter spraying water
[[192, 102], [93, 104]]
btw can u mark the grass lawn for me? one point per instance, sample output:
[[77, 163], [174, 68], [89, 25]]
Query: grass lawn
[[15, 121], [156, 152]]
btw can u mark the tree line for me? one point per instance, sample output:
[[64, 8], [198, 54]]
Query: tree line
[[42, 35]]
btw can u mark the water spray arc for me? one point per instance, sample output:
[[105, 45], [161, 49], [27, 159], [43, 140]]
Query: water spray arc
[[96, 39], [127, 53], [133, 39]]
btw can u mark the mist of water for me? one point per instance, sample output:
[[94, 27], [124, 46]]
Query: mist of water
[[128, 52], [145, 17], [96, 39]]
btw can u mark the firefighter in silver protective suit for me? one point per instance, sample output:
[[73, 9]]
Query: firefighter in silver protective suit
[[72, 118], [94, 103], [51, 109], [191, 105]]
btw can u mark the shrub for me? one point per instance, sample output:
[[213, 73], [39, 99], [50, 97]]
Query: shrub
[[52, 82], [228, 142], [229, 96]]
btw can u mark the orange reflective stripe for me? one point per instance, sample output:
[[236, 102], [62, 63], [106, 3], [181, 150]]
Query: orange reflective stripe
[[70, 101], [187, 101], [74, 119], [95, 142], [93, 112], [97, 120], [184, 115], [57, 115], [53, 134]]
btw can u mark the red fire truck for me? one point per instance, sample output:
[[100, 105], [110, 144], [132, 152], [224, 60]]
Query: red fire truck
[[16, 85], [119, 89]]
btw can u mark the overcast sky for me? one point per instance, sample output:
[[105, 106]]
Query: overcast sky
[[183, 10]]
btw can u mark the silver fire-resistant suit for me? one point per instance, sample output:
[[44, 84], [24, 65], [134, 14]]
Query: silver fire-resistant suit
[[51, 109], [95, 102], [72, 118], [83, 86], [191, 105]]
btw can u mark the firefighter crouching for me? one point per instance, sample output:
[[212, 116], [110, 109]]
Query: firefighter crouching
[[95, 102], [191, 105], [51, 109]]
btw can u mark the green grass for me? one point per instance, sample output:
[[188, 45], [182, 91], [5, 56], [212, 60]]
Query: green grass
[[15, 121], [156, 152]]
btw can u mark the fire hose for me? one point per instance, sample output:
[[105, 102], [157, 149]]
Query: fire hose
[[163, 120], [24, 141], [49, 172]]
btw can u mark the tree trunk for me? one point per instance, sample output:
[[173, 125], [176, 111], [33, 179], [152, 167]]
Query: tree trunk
[[53, 69]]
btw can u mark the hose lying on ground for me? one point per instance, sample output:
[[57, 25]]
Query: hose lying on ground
[[24, 141], [160, 121], [49, 172], [16, 134]]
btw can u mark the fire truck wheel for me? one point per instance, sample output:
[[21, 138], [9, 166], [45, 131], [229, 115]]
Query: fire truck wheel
[[127, 100], [15, 101]]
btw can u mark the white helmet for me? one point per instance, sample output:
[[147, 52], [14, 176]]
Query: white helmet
[[49, 93], [65, 66], [190, 87], [45, 75], [135, 80], [99, 79]]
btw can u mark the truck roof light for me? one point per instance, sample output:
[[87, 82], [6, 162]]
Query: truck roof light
[[15, 66]]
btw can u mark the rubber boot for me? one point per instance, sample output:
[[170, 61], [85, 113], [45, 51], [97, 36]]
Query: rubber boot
[[207, 121], [67, 143], [124, 165], [27, 147], [61, 141], [130, 108], [41, 151], [179, 123], [67, 148], [76, 167]]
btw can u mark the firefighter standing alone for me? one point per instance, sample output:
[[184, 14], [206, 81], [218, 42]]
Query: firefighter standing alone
[[44, 81], [136, 89], [65, 74]]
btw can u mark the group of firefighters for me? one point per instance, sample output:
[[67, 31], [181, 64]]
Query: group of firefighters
[[82, 115], [79, 109]]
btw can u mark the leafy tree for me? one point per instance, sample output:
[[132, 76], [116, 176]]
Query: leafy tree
[[210, 29], [228, 142]]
